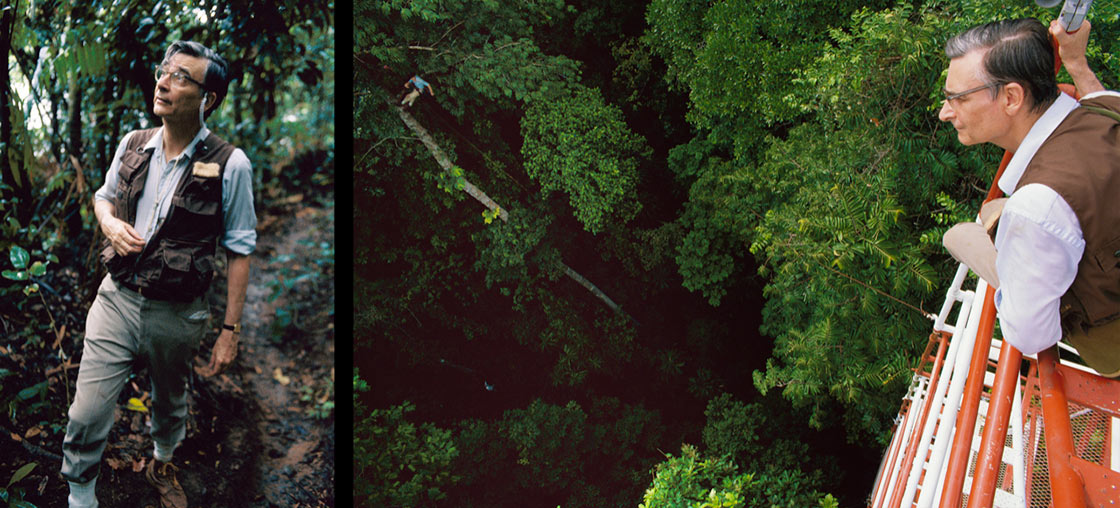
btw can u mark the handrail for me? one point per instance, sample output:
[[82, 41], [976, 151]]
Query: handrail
[[966, 419], [1065, 484], [995, 428], [918, 443]]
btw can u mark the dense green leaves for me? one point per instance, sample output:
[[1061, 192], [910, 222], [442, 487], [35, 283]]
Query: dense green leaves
[[580, 146], [402, 464], [579, 457], [694, 481], [792, 146]]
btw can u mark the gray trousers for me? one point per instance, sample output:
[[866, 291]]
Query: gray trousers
[[125, 330]]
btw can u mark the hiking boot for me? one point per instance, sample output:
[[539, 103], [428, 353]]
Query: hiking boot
[[162, 476]]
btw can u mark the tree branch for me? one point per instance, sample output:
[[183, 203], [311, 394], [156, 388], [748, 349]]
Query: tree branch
[[445, 162]]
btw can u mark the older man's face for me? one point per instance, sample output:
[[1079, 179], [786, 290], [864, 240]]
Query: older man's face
[[175, 99], [976, 115]]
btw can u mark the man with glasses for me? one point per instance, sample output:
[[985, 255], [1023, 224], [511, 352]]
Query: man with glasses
[[170, 196], [1056, 255]]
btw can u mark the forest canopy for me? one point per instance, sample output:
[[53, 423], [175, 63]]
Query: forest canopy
[[757, 188]]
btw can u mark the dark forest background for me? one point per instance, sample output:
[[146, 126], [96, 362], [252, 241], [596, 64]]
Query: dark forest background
[[661, 254]]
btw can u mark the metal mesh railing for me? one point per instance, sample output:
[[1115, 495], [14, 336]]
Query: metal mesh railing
[[1091, 438]]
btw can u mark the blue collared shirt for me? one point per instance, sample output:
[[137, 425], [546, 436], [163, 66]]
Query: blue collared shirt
[[240, 219]]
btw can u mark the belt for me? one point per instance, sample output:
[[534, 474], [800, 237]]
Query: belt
[[154, 294]]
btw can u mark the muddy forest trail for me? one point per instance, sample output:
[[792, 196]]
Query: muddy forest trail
[[259, 435]]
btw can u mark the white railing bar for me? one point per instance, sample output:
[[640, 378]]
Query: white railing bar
[[964, 342]]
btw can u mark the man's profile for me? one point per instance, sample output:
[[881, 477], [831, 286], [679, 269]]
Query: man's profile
[[1057, 247], [171, 195]]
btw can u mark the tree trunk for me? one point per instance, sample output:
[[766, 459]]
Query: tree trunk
[[12, 165], [74, 119], [445, 162], [7, 18]]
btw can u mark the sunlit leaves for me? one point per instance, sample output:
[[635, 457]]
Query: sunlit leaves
[[397, 462], [578, 145]]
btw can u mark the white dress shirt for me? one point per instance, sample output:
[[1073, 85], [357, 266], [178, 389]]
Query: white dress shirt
[[1039, 244]]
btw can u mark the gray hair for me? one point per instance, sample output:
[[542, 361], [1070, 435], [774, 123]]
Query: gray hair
[[1017, 51], [217, 70]]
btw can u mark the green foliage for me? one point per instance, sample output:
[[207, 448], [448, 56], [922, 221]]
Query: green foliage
[[292, 279], [509, 252], [578, 145], [812, 144], [710, 480], [13, 496], [23, 271], [396, 462], [693, 481], [480, 50], [767, 443], [319, 399], [830, 208], [584, 341], [585, 458]]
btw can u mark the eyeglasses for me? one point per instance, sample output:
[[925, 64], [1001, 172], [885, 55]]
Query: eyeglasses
[[953, 97], [178, 78]]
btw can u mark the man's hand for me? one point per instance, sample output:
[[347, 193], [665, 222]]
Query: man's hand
[[1071, 49], [225, 350], [1071, 46], [122, 236]]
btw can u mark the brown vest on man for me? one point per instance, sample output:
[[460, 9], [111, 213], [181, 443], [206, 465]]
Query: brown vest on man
[[1081, 162], [177, 263]]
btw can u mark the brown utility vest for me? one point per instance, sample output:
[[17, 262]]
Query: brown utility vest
[[1081, 162], [177, 263]]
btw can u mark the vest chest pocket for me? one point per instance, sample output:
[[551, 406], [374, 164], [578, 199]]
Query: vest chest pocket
[[130, 162], [195, 205], [127, 170], [200, 195]]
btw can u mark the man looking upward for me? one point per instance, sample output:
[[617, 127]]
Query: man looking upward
[[1057, 248], [170, 196]]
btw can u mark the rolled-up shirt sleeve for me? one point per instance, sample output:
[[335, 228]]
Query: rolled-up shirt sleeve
[[237, 205], [1039, 245], [109, 188]]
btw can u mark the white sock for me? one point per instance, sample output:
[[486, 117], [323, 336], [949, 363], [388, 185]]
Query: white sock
[[163, 452], [82, 494]]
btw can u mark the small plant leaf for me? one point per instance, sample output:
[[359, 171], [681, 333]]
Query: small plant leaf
[[15, 275], [135, 404], [32, 391], [21, 473], [19, 257]]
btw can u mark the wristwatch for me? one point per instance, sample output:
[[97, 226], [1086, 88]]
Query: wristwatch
[[235, 328]]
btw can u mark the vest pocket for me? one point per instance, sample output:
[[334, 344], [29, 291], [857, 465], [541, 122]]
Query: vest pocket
[[200, 195], [109, 257], [130, 162], [1102, 301], [1108, 256], [187, 266]]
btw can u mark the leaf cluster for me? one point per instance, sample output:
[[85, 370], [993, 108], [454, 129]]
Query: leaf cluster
[[579, 457], [582, 147], [396, 462]]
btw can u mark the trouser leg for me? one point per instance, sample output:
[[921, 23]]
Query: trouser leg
[[411, 97], [172, 334], [107, 357], [1099, 347]]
